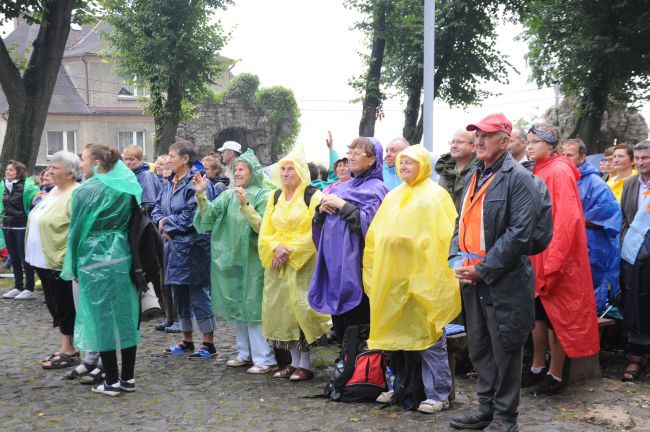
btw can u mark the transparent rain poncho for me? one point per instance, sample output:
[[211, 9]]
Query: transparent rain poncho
[[412, 291], [236, 273], [286, 311], [99, 257]]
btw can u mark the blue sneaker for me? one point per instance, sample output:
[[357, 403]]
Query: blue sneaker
[[177, 350], [107, 389], [127, 386], [202, 354]]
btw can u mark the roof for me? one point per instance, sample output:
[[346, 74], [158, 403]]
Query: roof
[[82, 40], [65, 98]]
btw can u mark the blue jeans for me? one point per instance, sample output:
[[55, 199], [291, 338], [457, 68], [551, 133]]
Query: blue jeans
[[193, 301], [15, 240], [436, 375]]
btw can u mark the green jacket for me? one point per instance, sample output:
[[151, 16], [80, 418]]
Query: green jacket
[[451, 179]]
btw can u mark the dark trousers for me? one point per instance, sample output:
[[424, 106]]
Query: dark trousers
[[360, 314], [15, 240], [109, 362], [59, 299], [499, 371]]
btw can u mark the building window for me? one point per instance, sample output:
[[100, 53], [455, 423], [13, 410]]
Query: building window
[[61, 140], [127, 138], [131, 89]]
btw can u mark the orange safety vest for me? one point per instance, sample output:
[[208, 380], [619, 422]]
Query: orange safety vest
[[471, 237]]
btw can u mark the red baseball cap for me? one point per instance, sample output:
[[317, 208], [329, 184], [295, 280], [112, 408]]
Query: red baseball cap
[[492, 123]]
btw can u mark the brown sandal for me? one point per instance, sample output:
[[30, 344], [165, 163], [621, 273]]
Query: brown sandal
[[301, 375], [285, 373]]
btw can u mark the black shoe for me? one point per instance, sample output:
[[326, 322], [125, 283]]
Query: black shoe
[[161, 325], [530, 378], [500, 425], [550, 386], [474, 420]]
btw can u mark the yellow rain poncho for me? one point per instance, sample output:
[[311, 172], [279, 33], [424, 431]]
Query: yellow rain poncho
[[285, 309], [413, 293]]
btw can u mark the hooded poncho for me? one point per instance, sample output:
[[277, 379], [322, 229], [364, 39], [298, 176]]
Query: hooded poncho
[[412, 291], [601, 209], [562, 271], [236, 274], [99, 256], [337, 286], [286, 312]]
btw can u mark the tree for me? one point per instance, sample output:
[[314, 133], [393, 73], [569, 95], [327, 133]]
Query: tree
[[465, 54], [594, 51], [172, 47], [28, 84]]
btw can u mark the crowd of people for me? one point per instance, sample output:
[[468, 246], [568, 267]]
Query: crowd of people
[[521, 238]]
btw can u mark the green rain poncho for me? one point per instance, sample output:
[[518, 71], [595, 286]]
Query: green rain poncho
[[236, 271], [99, 257]]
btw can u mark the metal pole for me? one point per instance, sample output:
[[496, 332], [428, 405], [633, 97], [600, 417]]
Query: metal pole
[[429, 51]]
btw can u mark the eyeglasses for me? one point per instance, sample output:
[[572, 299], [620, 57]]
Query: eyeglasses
[[452, 142], [355, 154]]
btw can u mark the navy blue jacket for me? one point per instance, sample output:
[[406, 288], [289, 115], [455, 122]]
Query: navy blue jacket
[[187, 254], [150, 184]]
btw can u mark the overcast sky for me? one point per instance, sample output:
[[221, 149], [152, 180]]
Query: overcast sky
[[307, 46]]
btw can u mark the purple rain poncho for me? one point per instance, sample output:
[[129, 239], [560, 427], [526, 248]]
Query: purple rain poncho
[[336, 286]]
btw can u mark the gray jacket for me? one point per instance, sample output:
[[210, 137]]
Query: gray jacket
[[629, 202], [510, 207]]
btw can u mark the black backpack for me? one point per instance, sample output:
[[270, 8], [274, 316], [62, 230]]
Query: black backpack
[[147, 262], [309, 192], [360, 374], [408, 385]]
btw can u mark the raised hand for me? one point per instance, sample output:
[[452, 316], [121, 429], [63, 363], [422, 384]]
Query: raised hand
[[199, 183]]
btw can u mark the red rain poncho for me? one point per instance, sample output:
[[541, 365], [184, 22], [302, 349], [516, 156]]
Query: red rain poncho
[[562, 271]]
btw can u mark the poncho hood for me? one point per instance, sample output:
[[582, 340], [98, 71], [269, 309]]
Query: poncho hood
[[540, 165], [257, 177], [120, 179], [419, 154]]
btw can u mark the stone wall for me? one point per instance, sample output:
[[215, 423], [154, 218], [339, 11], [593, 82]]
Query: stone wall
[[619, 122], [231, 120]]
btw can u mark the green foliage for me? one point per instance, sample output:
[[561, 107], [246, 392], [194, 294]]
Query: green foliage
[[465, 55], [244, 87], [279, 105], [579, 44], [83, 12], [171, 46]]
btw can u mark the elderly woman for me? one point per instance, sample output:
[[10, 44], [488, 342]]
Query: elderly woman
[[187, 254], [412, 291], [342, 171], [565, 305], [341, 221], [17, 193], [234, 218], [289, 257], [45, 246], [98, 256]]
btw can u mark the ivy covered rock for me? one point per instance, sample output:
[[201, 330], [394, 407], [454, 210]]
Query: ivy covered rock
[[266, 119]]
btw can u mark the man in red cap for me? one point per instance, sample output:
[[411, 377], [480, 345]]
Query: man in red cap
[[490, 248]]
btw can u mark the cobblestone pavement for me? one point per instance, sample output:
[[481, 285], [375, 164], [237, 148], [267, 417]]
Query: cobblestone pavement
[[175, 394]]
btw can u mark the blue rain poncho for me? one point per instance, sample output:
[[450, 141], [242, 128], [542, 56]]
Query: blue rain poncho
[[99, 256], [601, 209]]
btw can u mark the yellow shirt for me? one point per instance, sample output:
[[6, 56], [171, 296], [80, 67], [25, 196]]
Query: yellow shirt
[[616, 185]]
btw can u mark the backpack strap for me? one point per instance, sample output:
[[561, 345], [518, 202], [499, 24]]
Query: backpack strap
[[276, 196], [350, 356], [309, 192]]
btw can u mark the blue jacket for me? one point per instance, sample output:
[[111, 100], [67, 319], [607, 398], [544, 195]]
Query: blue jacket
[[601, 209], [391, 179], [150, 184], [187, 255]]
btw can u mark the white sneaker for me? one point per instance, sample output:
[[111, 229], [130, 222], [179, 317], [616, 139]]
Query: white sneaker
[[11, 294], [430, 406], [261, 369], [25, 295], [237, 362], [385, 397]]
